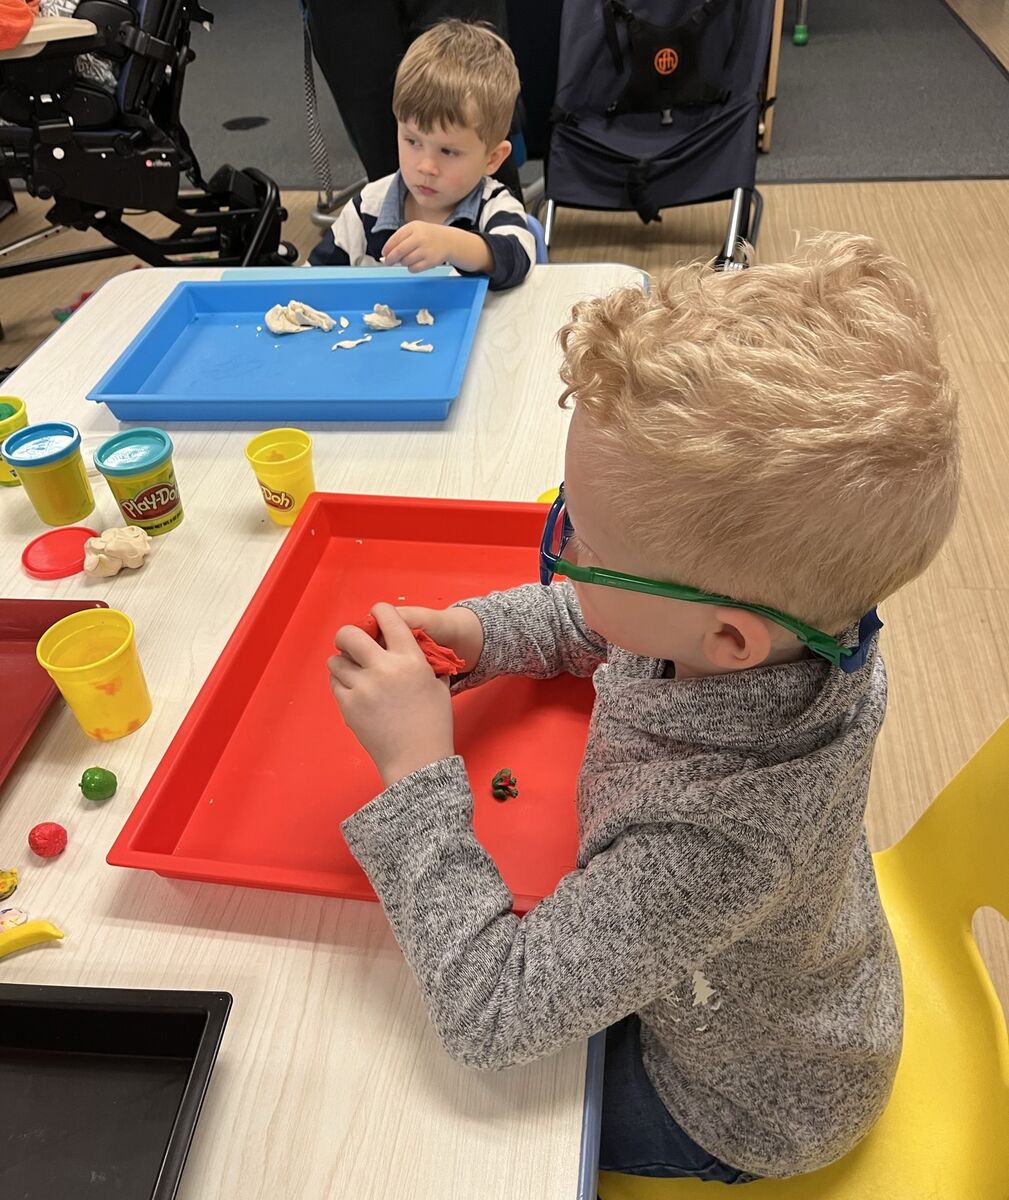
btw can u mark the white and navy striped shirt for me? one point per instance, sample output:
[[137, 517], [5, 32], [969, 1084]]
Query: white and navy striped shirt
[[360, 232]]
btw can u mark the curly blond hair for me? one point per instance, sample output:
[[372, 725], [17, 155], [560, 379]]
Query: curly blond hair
[[785, 435], [458, 73]]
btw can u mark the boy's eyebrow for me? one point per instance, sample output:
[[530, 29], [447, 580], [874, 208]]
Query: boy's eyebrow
[[410, 131]]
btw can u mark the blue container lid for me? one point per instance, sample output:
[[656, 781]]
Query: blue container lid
[[39, 445], [133, 451]]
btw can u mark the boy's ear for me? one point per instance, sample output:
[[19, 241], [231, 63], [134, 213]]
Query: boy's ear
[[497, 156], [738, 639]]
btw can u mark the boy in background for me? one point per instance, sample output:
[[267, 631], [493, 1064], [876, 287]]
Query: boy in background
[[455, 94]]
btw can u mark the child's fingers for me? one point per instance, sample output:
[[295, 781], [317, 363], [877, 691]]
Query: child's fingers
[[411, 253], [416, 260], [393, 243], [399, 245], [339, 693], [399, 257], [342, 669], [395, 631], [418, 618], [355, 643]]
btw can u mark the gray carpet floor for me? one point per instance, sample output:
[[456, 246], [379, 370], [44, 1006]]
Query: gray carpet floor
[[251, 66], [885, 89]]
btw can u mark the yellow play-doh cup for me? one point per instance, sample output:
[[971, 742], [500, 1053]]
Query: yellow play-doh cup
[[137, 466], [91, 656], [13, 416], [282, 461], [47, 459]]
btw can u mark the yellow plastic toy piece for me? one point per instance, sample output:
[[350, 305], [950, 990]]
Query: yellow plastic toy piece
[[20, 937], [945, 1132], [549, 497]]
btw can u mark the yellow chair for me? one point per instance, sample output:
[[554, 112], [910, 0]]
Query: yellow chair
[[945, 1133]]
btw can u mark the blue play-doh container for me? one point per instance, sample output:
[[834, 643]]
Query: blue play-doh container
[[47, 458], [137, 465]]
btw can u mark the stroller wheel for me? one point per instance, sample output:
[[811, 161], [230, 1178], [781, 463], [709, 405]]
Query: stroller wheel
[[287, 254]]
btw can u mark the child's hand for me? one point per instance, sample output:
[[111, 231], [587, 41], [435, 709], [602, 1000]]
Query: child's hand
[[420, 245], [398, 709], [458, 628]]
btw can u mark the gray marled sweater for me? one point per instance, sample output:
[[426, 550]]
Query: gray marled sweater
[[724, 892]]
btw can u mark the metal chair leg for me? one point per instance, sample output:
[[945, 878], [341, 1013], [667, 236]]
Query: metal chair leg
[[756, 215], [736, 232], [328, 202], [800, 34], [548, 221]]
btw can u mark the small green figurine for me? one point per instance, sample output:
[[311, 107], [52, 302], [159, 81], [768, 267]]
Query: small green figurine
[[98, 784], [504, 785]]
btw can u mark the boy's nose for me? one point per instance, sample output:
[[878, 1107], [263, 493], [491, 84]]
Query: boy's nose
[[428, 167]]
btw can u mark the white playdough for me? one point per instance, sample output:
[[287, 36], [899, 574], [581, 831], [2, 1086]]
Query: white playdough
[[382, 318], [126, 546], [296, 317], [350, 343]]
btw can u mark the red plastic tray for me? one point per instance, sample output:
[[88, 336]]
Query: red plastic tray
[[27, 689], [254, 786]]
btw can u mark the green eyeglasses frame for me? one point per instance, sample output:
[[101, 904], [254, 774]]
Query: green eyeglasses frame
[[848, 659]]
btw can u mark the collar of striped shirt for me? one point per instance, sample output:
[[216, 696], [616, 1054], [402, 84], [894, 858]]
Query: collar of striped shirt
[[391, 215]]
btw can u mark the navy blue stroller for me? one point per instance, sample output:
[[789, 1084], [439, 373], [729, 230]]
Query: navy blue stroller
[[658, 105]]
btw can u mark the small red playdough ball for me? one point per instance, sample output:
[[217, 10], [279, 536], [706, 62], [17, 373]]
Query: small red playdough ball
[[48, 839]]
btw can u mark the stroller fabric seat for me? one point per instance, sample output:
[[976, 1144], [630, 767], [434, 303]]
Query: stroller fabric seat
[[658, 102]]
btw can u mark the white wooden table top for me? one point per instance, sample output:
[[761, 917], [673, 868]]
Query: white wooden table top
[[330, 1083]]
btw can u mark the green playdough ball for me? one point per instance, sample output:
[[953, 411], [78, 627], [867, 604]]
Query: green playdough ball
[[7, 410], [98, 784]]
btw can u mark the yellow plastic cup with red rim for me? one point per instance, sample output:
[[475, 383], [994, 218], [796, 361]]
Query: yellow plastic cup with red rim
[[92, 658], [282, 462]]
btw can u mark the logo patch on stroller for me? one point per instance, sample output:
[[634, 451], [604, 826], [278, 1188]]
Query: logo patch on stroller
[[666, 60]]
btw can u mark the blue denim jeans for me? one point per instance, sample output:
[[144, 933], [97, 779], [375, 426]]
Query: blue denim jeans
[[639, 1137]]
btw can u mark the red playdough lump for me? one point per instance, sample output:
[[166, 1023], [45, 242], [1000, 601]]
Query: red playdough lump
[[441, 659], [48, 839]]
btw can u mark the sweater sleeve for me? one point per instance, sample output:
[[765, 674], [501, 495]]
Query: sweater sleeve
[[503, 990], [535, 631], [505, 232], [344, 242]]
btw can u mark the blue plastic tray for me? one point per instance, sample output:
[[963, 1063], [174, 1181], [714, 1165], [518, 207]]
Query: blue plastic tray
[[268, 274], [201, 357]]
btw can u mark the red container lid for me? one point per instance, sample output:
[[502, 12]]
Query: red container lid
[[57, 554]]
